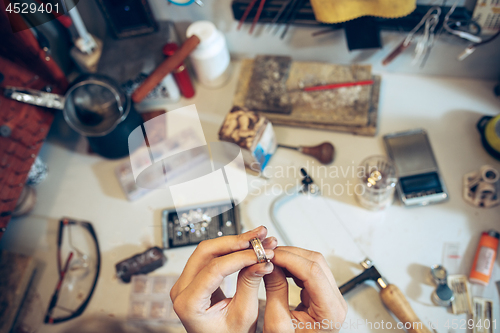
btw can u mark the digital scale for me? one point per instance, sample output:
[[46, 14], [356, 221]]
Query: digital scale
[[420, 182]]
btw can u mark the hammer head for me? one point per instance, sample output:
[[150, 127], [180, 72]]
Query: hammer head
[[370, 273]]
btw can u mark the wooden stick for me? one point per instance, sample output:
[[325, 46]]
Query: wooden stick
[[396, 301], [256, 18], [167, 66], [245, 14]]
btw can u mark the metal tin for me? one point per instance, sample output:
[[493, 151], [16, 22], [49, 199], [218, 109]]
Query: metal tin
[[443, 295]]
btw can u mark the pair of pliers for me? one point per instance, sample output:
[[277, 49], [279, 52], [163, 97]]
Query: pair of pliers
[[247, 11]]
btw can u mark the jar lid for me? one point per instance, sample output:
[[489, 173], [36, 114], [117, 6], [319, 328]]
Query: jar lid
[[205, 30], [439, 274]]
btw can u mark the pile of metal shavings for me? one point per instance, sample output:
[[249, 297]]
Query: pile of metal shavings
[[267, 90]]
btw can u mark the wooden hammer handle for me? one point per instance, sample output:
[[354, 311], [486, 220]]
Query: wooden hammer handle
[[323, 152], [167, 66], [396, 301]]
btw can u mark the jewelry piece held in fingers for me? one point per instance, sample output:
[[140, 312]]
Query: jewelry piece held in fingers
[[259, 250]]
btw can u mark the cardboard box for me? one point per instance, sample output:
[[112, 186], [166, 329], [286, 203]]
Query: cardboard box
[[253, 133]]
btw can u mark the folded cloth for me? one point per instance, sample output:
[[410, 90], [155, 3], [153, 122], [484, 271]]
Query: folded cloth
[[336, 11]]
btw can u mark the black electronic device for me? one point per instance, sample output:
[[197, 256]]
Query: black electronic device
[[190, 226]]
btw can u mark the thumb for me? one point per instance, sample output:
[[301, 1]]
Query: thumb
[[247, 288], [249, 279], [277, 317]]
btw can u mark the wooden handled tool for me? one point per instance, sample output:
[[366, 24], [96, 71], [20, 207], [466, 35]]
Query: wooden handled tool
[[323, 152], [391, 296], [167, 66], [396, 301]]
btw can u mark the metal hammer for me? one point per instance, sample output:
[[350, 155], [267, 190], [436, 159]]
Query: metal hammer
[[391, 296]]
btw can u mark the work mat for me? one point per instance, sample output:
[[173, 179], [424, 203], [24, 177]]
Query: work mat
[[349, 109], [16, 273]]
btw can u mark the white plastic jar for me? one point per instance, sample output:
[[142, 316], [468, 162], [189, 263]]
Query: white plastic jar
[[210, 59]]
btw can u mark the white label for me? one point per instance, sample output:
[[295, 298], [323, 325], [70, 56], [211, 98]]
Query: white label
[[485, 260]]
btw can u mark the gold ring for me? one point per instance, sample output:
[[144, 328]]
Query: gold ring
[[259, 250]]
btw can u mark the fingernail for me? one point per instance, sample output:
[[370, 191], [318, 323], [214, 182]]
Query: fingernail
[[269, 241], [264, 226], [266, 269], [269, 254]]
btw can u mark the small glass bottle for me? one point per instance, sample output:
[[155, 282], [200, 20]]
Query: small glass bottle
[[377, 179]]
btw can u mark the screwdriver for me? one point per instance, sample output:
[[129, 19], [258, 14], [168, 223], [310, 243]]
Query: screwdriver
[[324, 152]]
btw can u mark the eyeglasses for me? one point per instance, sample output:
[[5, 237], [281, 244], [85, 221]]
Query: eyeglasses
[[77, 243]]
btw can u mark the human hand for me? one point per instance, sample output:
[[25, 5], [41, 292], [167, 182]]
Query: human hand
[[197, 297], [322, 307]]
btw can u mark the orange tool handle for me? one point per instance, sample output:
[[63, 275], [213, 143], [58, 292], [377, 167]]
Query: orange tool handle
[[396, 301]]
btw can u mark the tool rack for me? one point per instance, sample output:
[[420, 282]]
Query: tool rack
[[305, 15]]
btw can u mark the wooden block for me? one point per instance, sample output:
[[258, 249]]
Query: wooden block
[[342, 106], [16, 272], [360, 119], [370, 129]]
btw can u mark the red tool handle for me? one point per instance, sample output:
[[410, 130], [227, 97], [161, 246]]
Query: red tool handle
[[256, 18], [180, 74], [167, 66], [245, 14], [339, 85], [397, 51]]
